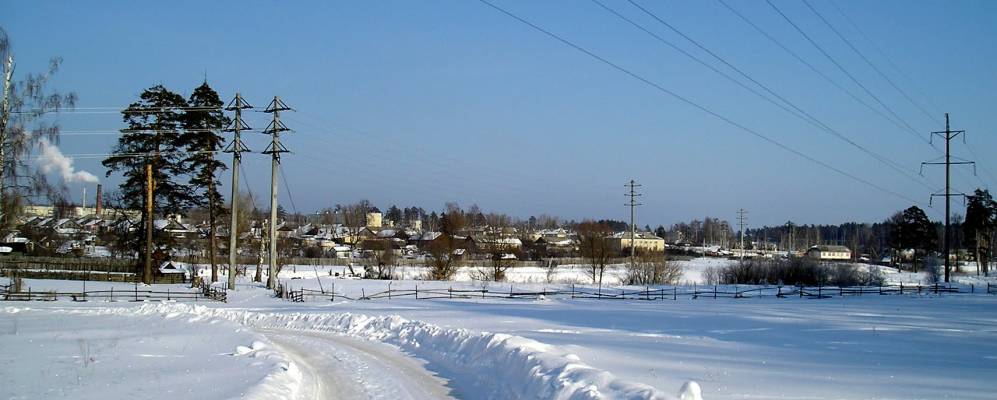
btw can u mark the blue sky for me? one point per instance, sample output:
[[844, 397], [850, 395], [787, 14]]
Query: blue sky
[[420, 103]]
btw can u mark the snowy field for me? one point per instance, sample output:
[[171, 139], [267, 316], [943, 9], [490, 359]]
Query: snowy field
[[256, 346]]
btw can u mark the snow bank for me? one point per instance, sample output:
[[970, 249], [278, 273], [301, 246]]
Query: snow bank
[[284, 381], [496, 366], [81, 352]]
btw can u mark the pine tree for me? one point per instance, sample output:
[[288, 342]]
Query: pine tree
[[202, 124], [981, 221], [152, 136], [394, 214], [915, 231]]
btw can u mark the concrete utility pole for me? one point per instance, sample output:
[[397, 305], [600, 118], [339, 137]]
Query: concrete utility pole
[[274, 149], [948, 134], [740, 221], [633, 218], [149, 187], [236, 148]]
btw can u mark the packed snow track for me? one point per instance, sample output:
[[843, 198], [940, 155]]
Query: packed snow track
[[339, 367]]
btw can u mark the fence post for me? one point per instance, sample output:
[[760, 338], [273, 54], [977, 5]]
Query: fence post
[[167, 294], [778, 293], [136, 292], [801, 290], [389, 290], [714, 292], [417, 292], [901, 288], [573, 290], [880, 289], [675, 293], [450, 292], [972, 288], [112, 293], [333, 290], [820, 290], [647, 293], [363, 294]]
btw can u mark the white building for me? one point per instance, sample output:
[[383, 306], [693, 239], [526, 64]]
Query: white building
[[829, 252]]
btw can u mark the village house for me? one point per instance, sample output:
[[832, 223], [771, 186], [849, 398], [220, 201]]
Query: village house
[[829, 252], [642, 241]]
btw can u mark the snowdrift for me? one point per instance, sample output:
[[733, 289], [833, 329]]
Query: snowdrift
[[496, 366]]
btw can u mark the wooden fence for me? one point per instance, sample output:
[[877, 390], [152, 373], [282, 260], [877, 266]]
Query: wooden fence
[[647, 293], [204, 293]]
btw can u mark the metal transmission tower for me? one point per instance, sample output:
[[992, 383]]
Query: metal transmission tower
[[236, 147], [633, 218], [741, 217], [274, 150], [948, 134]]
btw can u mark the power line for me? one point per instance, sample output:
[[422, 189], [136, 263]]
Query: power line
[[910, 81], [694, 104], [128, 131], [813, 68], [910, 129], [885, 57], [869, 62], [799, 113], [986, 170], [287, 188], [111, 110], [122, 155]]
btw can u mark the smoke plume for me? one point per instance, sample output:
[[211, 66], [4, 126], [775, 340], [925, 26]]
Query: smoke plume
[[51, 160]]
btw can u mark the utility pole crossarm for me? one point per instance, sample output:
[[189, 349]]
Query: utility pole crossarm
[[236, 147], [274, 149], [948, 134], [633, 185]]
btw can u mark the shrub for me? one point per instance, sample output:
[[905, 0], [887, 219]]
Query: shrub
[[651, 270], [792, 271]]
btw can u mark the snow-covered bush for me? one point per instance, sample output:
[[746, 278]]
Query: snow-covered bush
[[793, 271], [652, 270]]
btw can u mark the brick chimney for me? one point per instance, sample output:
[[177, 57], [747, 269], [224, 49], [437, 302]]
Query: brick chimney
[[100, 200]]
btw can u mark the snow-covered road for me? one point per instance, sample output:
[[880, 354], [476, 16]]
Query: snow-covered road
[[339, 367]]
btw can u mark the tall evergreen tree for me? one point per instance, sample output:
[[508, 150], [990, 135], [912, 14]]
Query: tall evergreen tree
[[915, 231], [152, 136], [394, 214], [202, 124], [981, 221]]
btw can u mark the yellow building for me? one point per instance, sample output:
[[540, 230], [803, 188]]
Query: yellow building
[[374, 219], [643, 242]]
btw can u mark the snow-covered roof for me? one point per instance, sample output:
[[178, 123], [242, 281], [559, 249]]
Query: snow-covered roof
[[640, 235], [427, 236], [174, 267]]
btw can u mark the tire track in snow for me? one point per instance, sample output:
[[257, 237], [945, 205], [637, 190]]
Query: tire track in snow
[[339, 367]]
